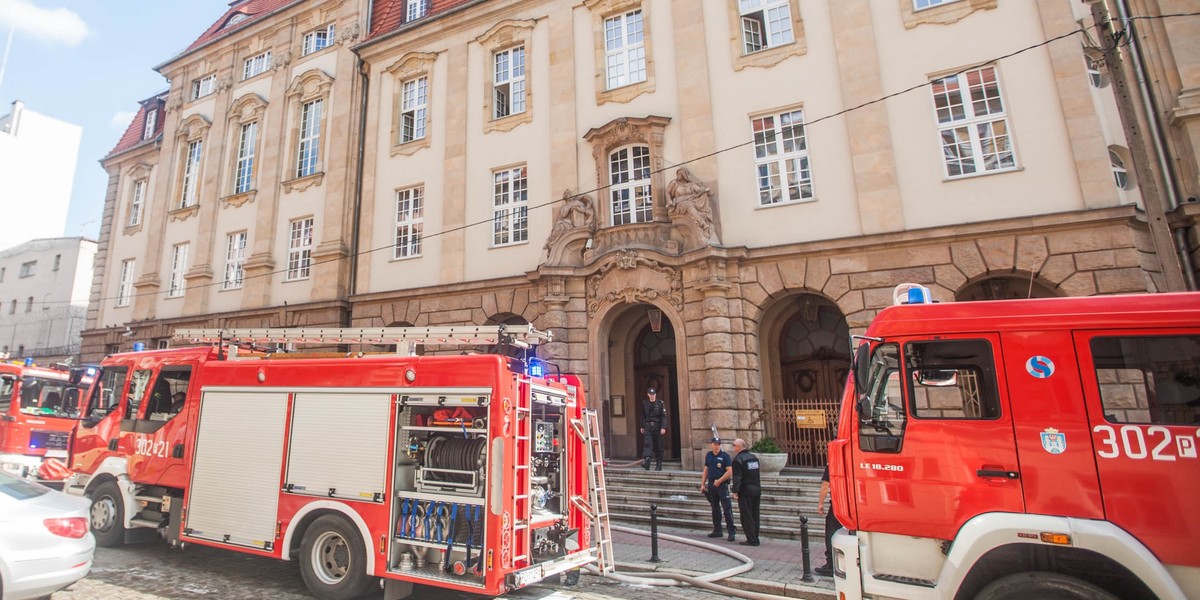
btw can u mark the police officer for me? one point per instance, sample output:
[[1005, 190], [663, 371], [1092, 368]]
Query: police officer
[[746, 490], [832, 524], [654, 425], [714, 482]]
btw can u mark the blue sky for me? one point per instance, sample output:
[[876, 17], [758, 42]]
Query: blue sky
[[88, 62]]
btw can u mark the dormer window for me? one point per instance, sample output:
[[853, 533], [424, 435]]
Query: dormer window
[[151, 122]]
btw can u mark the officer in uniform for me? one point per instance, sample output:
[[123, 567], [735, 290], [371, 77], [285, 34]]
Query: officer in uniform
[[746, 490], [714, 484], [654, 425]]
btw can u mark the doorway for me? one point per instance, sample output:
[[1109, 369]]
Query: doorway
[[654, 365]]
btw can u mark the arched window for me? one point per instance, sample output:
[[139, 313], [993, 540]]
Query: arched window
[[1120, 173], [629, 191]]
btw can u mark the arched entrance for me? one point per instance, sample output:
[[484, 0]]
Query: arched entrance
[[654, 365], [642, 352], [1004, 287]]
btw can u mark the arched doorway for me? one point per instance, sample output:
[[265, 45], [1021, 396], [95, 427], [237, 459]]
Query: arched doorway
[[635, 356], [1005, 287], [654, 365]]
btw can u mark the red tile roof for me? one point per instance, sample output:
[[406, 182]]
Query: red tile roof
[[388, 15], [135, 134], [252, 9]]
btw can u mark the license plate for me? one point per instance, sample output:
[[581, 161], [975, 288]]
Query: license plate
[[56, 454]]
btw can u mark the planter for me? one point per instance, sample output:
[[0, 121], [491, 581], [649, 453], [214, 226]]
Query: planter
[[771, 464]]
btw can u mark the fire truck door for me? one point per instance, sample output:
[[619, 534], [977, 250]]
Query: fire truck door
[[156, 440], [101, 423], [935, 444]]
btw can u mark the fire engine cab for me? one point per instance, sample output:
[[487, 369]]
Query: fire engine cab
[[456, 471], [38, 409], [1022, 449]]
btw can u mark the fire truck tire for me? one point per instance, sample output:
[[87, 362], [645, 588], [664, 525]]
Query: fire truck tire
[[333, 561], [107, 515], [1043, 586]]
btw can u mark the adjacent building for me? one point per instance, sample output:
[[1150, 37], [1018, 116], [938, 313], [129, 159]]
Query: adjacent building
[[37, 171], [705, 196], [44, 285]]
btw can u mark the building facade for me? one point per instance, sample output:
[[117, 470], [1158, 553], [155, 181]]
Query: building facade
[[37, 171], [44, 287], [706, 196]]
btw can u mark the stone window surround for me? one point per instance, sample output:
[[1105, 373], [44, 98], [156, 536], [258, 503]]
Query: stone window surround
[[412, 65], [601, 10], [138, 172], [245, 110], [625, 131], [506, 35], [972, 121], [190, 130], [767, 57], [311, 85], [944, 14]]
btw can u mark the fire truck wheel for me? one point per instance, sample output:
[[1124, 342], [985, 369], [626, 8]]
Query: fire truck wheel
[[333, 561], [108, 515], [1043, 586]]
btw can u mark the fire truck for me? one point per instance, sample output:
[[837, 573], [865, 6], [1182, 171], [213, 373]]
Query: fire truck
[[458, 471], [38, 409], [1021, 449]]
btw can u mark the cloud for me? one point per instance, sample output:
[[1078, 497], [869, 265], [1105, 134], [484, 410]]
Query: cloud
[[49, 26], [122, 118]]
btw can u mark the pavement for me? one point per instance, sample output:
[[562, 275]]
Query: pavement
[[778, 563]]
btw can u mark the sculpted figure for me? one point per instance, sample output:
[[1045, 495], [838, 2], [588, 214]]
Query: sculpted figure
[[576, 211], [687, 196]]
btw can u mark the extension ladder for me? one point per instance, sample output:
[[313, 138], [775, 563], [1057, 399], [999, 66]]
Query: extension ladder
[[596, 508]]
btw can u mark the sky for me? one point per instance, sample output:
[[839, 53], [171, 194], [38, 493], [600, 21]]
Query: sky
[[89, 62]]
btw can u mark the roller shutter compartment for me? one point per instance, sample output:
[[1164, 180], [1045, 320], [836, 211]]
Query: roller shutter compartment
[[339, 445]]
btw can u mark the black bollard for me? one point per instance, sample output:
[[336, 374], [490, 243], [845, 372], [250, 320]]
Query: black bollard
[[804, 555], [654, 534]]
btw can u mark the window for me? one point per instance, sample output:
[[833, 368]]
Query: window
[[256, 65], [3, 270], [191, 173], [884, 418], [151, 122], [410, 222], [317, 40], [29, 304], [12, 309], [1120, 173], [510, 210], [106, 393], [415, 9], [508, 87], [162, 343], [137, 392], [624, 49], [300, 244], [168, 394], [972, 123], [310, 138], [125, 285], [27, 269], [765, 24], [1145, 379], [952, 380], [204, 86], [243, 180], [1095, 70], [235, 255], [57, 262], [136, 202], [412, 110], [923, 4], [629, 192], [781, 158], [179, 258]]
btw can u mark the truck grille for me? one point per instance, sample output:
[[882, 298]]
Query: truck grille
[[48, 440]]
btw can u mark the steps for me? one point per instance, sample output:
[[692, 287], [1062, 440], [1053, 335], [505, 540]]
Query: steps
[[785, 498]]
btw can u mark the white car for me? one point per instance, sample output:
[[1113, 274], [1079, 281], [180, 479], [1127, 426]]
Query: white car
[[45, 540]]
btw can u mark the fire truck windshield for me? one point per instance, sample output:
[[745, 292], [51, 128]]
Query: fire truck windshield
[[49, 397]]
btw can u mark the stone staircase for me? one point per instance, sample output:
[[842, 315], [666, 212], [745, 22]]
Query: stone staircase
[[785, 498]]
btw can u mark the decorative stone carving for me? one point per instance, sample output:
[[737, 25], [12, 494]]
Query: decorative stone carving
[[281, 60], [349, 33], [183, 214], [629, 277], [577, 210], [237, 200], [688, 204]]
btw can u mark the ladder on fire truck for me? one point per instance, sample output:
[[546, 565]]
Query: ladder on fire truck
[[405, 338], [596, 506]]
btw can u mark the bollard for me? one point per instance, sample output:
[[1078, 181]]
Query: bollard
[[654, 534], [806, 560]]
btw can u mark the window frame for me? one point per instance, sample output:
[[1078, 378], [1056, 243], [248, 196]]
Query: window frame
[[409, 223], [137, 202], [193, 155], [125, 282], [177, 283], [510, 81], [641, 205], [300, 249], [510, 206], [775, 139], [416, 105], [971, 121], [256, 65], [235, 259], [309, 43], [28, 269], [308, 138], [243, 170], [928, 4], [204, 86], [765, 7], [415, 9], [150, 124], [629, 66]]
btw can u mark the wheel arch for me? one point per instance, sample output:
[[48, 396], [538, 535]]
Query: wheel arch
[[314, 510]]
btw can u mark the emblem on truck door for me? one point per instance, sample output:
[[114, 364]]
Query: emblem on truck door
[[1054, 441], [1040, 367]]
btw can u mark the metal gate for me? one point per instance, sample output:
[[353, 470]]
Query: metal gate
[[805, 446]]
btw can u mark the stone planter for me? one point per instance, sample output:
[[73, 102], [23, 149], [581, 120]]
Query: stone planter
[[771, 464]]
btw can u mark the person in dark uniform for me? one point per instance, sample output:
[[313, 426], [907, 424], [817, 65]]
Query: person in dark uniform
[[831, 525], [747, 490], [714, 480], [654, 425]]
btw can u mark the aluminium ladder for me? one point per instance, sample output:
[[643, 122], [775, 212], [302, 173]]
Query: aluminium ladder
[[522, 336], [597, 507]]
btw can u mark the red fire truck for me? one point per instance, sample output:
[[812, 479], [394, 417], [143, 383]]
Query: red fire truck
[[38, 409], [458, 471], [1022, 449]]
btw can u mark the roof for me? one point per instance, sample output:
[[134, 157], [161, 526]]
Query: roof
[[240, 14], [388, 15], [134, 134]]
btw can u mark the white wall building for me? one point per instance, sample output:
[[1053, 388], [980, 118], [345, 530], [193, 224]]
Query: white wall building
[[37, 170], [44, 287]]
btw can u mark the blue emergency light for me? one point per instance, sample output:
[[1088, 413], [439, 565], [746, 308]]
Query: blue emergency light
[[535, 368], [139, 346], [28, 362]]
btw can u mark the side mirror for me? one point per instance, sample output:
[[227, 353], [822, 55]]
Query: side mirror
[[861, 368]]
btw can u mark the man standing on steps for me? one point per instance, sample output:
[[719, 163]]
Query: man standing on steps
[[654, 426], [746, 490], [831, 525], [713, 479]]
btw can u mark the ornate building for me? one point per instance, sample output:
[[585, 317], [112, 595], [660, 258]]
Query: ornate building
[[707, 196]]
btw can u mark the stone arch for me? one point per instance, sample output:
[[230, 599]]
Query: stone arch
[[1006, 287]]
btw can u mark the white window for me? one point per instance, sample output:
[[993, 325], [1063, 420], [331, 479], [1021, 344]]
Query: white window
[[923, 4], [781, 158], [191, 173], [1120, 173], [204, 86], [27, 269], [243, 178], [317, 40], [300, 244], [125, 285], [415, 9], [235, 255], [508, 87], [410, 222], [179, 258], [412, 109], [256, 65], [136, 202], [624, 49], [151, 123], [765, 24], [972, 123], [629, 192], [510, 206], [310, 138]]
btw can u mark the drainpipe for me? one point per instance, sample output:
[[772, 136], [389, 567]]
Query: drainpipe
[[356, 227]]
